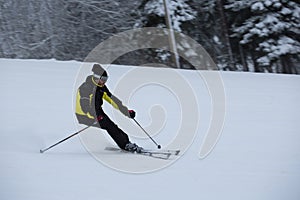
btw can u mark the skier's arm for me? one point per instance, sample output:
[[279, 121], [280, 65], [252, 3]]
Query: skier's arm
[[116, 103], [86, 100]]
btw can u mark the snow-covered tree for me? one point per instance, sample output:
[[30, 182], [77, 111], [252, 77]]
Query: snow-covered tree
[[211, 29], [154, 13], [264, 33], [65, 30], [269, 30]]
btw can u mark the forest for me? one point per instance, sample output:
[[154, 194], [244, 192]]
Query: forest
[[239, 35]]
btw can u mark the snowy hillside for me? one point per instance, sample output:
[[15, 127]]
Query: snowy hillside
[[256, 157]]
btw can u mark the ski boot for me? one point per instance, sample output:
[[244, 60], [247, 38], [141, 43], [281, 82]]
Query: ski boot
[[132, 147]]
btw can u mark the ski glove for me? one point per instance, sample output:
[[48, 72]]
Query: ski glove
[[131, 113], [99, 118]]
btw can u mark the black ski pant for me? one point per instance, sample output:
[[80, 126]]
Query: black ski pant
[[119, 136]]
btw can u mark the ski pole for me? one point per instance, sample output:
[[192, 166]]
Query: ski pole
[[158, 146], [46, 149]]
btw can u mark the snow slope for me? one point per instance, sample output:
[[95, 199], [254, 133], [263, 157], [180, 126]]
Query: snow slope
[[256, 157]]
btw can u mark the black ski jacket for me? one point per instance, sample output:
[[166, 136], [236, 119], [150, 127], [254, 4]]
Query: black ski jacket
[[90, 97]]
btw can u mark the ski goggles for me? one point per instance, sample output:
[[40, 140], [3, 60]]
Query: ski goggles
[[98, 78]]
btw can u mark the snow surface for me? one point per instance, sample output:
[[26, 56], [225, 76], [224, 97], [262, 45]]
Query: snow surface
[[257, 156]]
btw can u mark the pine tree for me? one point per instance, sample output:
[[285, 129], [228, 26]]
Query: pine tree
[[211, 29], [152, 14], [269, 32]]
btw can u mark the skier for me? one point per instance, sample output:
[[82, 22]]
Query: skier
[[89, 110]]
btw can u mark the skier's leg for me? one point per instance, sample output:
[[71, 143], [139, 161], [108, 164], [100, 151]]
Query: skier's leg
[[119, 136]]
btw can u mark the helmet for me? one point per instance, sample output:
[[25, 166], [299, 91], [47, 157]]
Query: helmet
[[99, 72]]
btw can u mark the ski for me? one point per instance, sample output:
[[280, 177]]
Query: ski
[[155, 154], [160, 154], [172, 152]]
